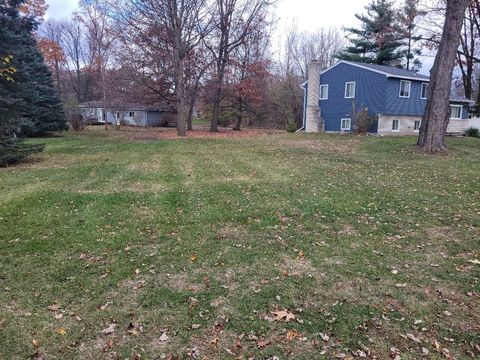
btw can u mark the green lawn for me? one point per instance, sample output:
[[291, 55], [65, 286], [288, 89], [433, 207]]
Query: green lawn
[[118, 249]]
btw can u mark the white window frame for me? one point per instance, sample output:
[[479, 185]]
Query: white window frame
[[354, 89], [409, 89], [398, 125], [325, 86], [426, 91], [461, 112], [420, 124], [349, 124]]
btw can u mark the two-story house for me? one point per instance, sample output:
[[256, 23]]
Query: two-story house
[[395, 99]]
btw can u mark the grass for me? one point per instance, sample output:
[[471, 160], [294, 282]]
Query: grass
[[188, 247]]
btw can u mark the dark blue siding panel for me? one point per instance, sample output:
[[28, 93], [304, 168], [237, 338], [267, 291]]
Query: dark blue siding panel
[[404, 106], [369, 92]]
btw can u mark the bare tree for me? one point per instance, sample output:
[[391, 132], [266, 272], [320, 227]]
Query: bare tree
[[233, 20], [321, 45], [102, 37], [174, 28], [435, 120]]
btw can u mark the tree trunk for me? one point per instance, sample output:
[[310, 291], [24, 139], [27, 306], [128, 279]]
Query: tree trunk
[[435, 121], [216, 103], [191, 107], [238, 123], [180, 102]]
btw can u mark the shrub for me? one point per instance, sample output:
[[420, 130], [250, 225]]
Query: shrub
[[291, 127], [472, 132], [13, 150], [76, 122]]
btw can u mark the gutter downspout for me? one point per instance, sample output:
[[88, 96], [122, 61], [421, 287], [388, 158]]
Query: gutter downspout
[[304, 106]]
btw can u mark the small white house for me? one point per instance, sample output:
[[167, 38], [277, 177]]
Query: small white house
[[130, 114]]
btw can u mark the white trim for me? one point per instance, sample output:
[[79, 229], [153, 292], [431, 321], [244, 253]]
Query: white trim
[[461, 112], [376, 71], [421, 90], [354, 89], [409, 89], [398, 127], [320, 90], [349, 124]]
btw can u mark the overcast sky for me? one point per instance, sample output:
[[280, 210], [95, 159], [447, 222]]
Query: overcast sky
[[309, 15]]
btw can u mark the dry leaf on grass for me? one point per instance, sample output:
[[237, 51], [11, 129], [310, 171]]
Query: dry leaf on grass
[[164, 337], [283, 315], [292, 334], [54, 307], [61, 331], [263, 343], [193, 257], [109, 330], [35, 342]]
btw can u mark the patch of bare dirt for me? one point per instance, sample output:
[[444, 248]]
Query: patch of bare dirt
[[346, 146], [300, 267], [439, 233]]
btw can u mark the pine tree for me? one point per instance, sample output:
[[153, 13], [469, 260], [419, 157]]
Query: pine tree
[[29, 103], [408, 18], [378, 40]]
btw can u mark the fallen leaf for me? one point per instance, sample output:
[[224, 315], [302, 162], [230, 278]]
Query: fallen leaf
[[474, 261], [58, 316], [133, 329], [61, 331], [401, 285], [35, 342], [292, 334], [214, 341], [193, 257], [263, 343], [164, 337], [54, 307], [137, 271], [110, 329], [283, 315], [195, 326], [324, 337], [414, 338]]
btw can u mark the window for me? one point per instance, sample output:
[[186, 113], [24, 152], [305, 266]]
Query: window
[[346, 124], [416, 125], [455, 112], [350, 90], [405, 88], [323, 92], [131, 114], [117, 115], [395, 125], [423, 91]]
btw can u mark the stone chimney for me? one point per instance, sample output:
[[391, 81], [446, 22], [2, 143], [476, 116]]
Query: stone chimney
[[313, 119]]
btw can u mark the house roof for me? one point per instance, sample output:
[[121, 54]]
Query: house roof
[[162, 106], [389, 71], [461, 99]]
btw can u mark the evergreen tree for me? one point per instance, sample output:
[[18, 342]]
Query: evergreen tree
[[379, 39], [408, 18], [29, 103]]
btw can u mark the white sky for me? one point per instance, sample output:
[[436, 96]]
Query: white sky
[[309, 15]]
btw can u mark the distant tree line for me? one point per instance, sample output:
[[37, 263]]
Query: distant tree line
[[215, 55]]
